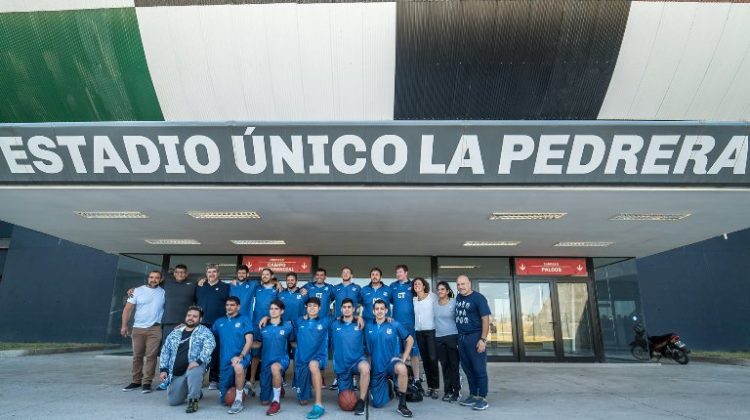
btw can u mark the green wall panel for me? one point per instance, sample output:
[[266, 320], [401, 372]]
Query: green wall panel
[[82, 65]]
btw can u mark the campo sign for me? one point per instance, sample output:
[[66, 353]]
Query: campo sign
[[279, 264], [503, 153]]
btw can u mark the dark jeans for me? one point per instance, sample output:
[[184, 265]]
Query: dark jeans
[[213, 367], [428, 352], [474, 364], [447, 351]]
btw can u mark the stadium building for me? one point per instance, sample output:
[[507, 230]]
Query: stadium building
[[584, 162]]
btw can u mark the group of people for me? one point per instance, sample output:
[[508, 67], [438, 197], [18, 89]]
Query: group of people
[[250, 329]]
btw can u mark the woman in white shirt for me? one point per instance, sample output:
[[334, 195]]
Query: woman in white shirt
[[424, 323], [446, 341]]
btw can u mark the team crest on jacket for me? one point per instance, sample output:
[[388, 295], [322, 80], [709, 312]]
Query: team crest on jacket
[[389, 331], [320, 327], [281, 332], [237, 325]]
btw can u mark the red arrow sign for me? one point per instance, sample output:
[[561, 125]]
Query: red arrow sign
[[277, 263], [551, 267]]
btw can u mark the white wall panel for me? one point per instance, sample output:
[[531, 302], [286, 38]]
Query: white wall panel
[[272, 62], [682, 61]]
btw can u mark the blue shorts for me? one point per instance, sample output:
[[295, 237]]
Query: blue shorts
[[344, 379], [303, 379], [226, 375], [380, 385], [413, 333], [266, 378]]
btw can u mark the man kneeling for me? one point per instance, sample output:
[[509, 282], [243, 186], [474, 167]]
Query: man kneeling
[[389, 344], [184, 358]]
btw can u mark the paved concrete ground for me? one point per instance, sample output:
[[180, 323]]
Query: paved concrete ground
[[87, 386]]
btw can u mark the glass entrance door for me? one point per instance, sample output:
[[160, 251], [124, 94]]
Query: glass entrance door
[[536, 329], [555, 321], [575, 319]]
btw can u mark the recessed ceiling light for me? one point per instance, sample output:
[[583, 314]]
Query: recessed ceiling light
[[459, 267], [649, 217], [111, 214], [526, 216], [584, 244], [491, 243], [258, 242], [172, 241], [223, 214]]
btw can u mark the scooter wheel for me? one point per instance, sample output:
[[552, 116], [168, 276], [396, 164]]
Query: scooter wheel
[[680, 356], [639, 352]]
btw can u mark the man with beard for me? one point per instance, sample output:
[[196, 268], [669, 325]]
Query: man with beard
[[183, 360], [373, 292], [264, 294], [345, 290], [349, 354], [148, 303], [236, 337], [212, 296]]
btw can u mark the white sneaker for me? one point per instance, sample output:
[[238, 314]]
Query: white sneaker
[[236, 407]]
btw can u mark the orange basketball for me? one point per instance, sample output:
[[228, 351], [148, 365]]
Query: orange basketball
[[230, 396], [347, 400]]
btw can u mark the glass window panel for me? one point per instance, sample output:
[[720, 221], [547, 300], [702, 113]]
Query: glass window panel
[[500, 339], [536, 319], [197, 264], [149, 258], [131, 273], [575, 319], [618, 300], [477, 268], [361, 266]]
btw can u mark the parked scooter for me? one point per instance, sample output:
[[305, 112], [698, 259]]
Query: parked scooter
[[644, 347]]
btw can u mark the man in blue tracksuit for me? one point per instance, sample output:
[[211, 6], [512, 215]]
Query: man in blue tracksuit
[[236, 338], [265, 293], [275, 336], [347, 289], [402, 298], [373, 292], [473, 324], [321, 290], [389, 344], [294, 300], [311, 356], [244, 289], [349, 354]]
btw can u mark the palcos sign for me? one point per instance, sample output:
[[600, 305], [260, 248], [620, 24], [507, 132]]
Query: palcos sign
[[388, 153]]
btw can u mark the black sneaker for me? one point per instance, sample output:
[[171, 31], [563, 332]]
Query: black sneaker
[[359, 408], [447, 397], [432, 393], [334, 386], [146, 389], [131, 387], [455, 397], [404, 410], [192, 406], [418, 385]]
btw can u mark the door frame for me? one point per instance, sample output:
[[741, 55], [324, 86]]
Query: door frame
[[559, 355]]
